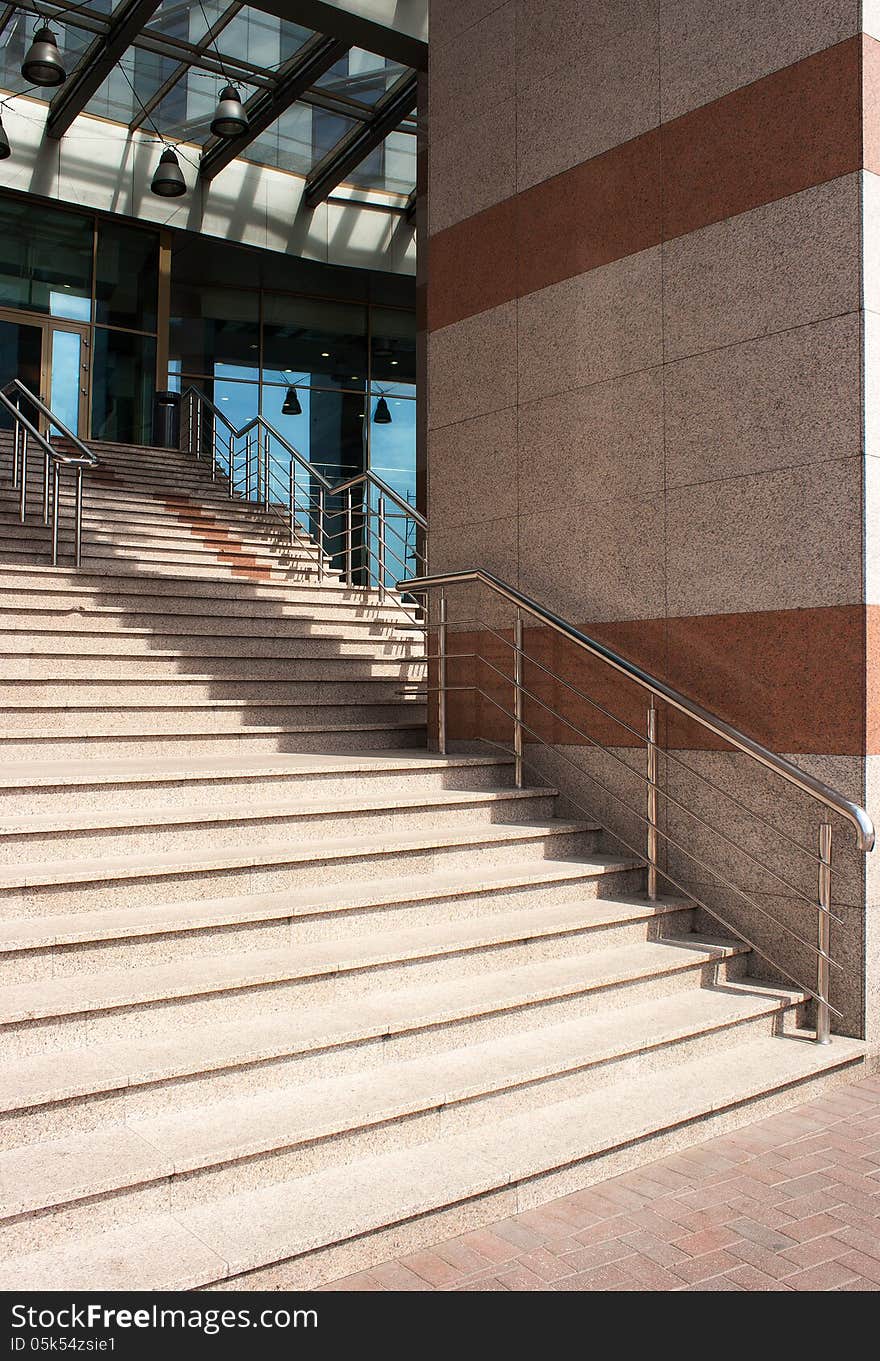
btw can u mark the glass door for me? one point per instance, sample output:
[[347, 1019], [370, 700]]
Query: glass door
[[69, 375], [22, 355]]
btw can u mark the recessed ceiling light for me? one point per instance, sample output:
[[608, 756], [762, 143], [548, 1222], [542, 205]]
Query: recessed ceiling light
[[394, 361], [325, 354]]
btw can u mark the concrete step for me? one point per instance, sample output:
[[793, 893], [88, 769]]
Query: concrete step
[[298, 639], [134, 937], [60, 788], [203, 740], [198, 827], [23, 671], [80, 884], [317, 1216], [114, 523], [294, 1130], [136, 612], [533, 957]]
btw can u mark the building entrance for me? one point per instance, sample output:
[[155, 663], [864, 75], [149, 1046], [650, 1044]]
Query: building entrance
[[52, 357]]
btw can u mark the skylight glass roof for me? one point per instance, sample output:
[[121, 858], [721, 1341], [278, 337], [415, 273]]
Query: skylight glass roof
[[169, 78]]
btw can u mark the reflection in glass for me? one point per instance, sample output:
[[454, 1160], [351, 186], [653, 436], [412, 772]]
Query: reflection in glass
[[21, 356], [65, 384], [45, 260], [127, 276], [123, 383]]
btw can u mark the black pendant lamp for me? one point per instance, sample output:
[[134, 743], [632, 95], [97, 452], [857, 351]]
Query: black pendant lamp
[[5, 149], [382, 415], [43, 64], [230, 118], [291, 405], [168, 181]]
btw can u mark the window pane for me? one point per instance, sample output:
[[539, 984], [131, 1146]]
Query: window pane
[[215, 328], [45, 260], [392, 346], [127, 277], [123, 386], [66, 378], [325, 340]]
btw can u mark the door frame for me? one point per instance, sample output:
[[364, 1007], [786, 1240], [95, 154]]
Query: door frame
[[49, 326]]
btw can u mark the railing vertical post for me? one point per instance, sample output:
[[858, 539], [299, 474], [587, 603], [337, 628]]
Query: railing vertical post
[[381, 553], [16, 448], [231, 466], [441, 676], [651, 753], [247, 466], [78, 517], [56, 497], [22, 500], [267, 454], [46, 462], [320, 533], [518, 699], [291, 496], [348, 540], [198, 450], [214, 453], [823, 963]]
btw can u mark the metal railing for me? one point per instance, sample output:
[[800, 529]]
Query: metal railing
[[653, 789], [361, 526], [25, 434]]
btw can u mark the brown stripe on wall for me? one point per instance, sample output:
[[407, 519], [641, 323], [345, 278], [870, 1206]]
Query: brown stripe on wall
[[795, 128], [766, 672]]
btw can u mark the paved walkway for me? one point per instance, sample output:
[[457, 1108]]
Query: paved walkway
[[788, 1203]]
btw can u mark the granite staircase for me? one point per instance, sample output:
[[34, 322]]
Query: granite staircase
[[282, 992]]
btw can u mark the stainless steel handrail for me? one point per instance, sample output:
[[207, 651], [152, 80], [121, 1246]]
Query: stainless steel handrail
[[268, 476], [657, 689], [11, 397], [817, 789]]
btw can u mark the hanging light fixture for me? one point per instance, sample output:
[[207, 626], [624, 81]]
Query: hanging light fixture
[[5, 149], [168, 181], [291, 405], [230, 118], [43, 64], [382, 416]]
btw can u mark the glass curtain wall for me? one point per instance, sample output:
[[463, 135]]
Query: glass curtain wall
[[351, 365], [104, 274]]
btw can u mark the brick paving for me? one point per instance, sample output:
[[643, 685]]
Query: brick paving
[[788, 1203]]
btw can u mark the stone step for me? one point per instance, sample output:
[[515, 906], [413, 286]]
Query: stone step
[[317, 1124], [57, 1092], [328, 639], [172, 690], [24, 671], [37, 590], [60, 788], [137, 611], [175, 714], [117, 829], [533, 959], [137, 936], [206, 741], [80, 884], [113, 523], [336, 1220]]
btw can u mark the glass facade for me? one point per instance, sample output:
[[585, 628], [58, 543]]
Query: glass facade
[[242, 325]]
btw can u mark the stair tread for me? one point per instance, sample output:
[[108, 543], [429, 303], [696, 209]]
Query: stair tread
[[162, 769], [202, 814], [219, 973], [63, 1074], [56, 1171], [244, 1230], [86, 869], [140, 919]]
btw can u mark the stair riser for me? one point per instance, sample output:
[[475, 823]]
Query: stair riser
[[219, 746], [290, 828], [161, 1020], [227, 788], [118, 675], [270, 1166], [54, 595], [281, 690], [209, 565], [135, 611], [214, 883], [89, 723], [203, 652], [64, 629], [104, 525], [230, 940]]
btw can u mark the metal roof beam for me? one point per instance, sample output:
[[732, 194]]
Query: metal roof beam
[[96, 63], [357, 144], [360, 25], [264, 107]]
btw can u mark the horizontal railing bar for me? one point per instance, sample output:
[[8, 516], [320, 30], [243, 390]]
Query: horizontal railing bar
[[688, 893], [787, 771], [750, 902]]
